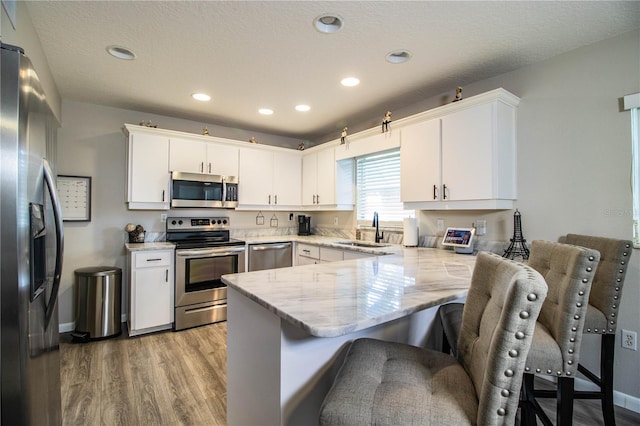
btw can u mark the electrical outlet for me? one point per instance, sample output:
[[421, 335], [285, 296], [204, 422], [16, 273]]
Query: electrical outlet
[[629, 340], [440, 225], [163, 217], [335, 221]]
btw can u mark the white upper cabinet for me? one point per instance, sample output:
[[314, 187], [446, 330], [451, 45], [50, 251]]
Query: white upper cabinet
[[148, 175], [326, 183], [309, 179], [269, 178], [194, 156], [319, 179], [420, 165], [462, 155], [287, 178]]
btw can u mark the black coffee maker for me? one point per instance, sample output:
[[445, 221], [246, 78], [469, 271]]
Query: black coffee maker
[[304, 225]]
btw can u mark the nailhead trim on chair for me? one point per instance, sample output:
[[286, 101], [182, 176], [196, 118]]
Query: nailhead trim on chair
[[614, 306], [621, 272], [576, 317]]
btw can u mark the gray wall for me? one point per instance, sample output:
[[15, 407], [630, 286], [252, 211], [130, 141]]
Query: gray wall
[[573, 165], [91, 143], [24, 35], [573, 170]]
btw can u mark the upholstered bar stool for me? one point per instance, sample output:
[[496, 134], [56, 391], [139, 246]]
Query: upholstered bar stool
[[569, 272], [386, 383], [602, 312], [555, 351]]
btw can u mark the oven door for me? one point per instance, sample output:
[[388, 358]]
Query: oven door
[[198, 273], [196, 190]]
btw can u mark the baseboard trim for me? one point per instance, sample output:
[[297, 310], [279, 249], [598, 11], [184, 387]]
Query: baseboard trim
[[66, 327]]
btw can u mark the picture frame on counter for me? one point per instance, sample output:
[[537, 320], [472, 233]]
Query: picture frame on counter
[[75, 197]]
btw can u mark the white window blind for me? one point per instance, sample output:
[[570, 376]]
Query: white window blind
[[378, 187]]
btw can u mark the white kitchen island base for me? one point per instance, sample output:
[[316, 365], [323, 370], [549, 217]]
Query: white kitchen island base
[[288, 328], [279, 375]]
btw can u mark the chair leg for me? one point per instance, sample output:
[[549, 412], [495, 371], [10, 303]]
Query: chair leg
[[606, 377], [564, 414], [527, 406]]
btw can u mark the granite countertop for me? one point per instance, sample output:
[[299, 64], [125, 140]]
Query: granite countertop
[[149, 246], [337, 298]]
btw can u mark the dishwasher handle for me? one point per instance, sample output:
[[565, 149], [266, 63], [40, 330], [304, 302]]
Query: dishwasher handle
[[270, 247]]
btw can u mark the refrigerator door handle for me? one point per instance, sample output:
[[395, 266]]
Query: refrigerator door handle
[[57, 215]]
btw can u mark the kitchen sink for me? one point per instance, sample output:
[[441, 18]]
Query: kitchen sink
[[362, 244]]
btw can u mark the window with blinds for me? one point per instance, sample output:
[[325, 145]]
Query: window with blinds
[[632, 104], [378, 187]]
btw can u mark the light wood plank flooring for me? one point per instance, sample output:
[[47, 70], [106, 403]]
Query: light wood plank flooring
[[158, 379], [179, 378]]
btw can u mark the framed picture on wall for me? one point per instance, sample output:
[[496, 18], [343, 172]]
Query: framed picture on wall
[[75, 197]]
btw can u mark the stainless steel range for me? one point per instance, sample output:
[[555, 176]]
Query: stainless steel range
[[204, 252]]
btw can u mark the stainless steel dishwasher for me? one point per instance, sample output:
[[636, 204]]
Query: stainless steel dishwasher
[[269, 256]]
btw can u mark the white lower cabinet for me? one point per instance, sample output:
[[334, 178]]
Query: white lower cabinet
[[151, 293], [309, 254]]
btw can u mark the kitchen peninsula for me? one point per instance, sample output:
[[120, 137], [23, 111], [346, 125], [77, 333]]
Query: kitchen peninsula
[[288, 328]]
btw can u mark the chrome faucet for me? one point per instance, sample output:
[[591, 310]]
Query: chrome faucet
[[375, 223]]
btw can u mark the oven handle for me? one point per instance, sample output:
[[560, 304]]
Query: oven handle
[[225, 251]]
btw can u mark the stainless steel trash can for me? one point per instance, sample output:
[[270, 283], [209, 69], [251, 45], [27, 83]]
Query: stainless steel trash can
[[98, 302]]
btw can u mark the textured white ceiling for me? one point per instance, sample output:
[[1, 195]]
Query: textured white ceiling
[[249, 55]]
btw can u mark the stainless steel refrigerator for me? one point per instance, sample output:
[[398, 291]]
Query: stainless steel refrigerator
[[31, 244]]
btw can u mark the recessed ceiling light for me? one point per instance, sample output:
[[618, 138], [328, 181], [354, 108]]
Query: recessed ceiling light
[[201, 97], [350, 81], [302, 108], [398, 56], [121, 52], [265, 111], [328, 23]]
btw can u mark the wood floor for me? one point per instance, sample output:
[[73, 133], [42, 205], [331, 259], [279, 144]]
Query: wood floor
[[159, 379], [179, 378]]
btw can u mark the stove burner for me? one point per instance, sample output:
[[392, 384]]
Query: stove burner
[[197, 232]]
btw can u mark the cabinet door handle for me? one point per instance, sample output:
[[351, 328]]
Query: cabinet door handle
[[318, 199], [202, 166], [269, 198], [444, 192], [276, 199], [163, 195], [153, 260], [435, 192], [166, 275], [209, 167], [314, 198]]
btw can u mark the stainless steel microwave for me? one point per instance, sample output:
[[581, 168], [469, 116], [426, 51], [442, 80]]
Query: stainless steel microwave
[[198, 190]]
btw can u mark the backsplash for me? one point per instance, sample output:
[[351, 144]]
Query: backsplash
[[390, 236], [240, 233]]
